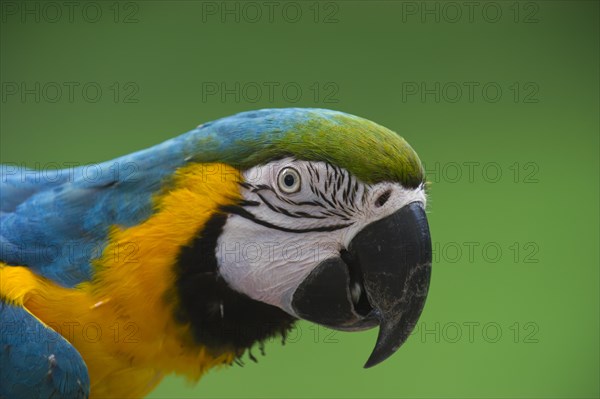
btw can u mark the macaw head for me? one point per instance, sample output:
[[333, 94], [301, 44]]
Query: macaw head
[[330, 227]]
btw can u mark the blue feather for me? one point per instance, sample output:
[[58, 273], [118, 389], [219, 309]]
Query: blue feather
[[36, 361], [58, 227]]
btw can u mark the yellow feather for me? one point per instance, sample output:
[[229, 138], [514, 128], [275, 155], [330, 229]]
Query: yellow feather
[[122, 322]]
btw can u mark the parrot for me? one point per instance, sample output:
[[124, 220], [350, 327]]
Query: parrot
[[185, 256]]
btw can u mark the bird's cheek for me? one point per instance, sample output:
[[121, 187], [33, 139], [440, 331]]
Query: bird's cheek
[[267, 268]]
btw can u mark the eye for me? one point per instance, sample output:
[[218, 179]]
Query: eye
[[383, 198], [289, 180]]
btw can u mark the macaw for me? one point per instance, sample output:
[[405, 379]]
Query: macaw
[[182, 257]]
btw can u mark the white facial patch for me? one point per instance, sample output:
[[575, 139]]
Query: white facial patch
[[268, 248]]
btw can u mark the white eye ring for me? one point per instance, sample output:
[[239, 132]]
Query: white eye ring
[[289, 180]]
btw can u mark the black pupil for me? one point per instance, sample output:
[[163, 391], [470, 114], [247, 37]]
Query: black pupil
[[289, 180]]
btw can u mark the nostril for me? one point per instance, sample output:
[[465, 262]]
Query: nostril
[[383, 198]]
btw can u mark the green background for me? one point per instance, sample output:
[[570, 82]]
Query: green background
[[502, 320]]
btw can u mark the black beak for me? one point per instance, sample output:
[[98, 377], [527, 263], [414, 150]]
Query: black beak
[[382, 279]]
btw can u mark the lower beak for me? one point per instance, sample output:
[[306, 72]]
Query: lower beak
[[381, 279]]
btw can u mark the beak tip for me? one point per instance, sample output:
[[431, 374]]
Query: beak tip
[[371, 362], [378, 356]]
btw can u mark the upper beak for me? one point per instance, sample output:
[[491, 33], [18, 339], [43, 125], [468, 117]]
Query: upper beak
[[381, 279]]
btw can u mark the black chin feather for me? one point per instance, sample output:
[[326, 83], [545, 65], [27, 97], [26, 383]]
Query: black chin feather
[[221, 319]]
